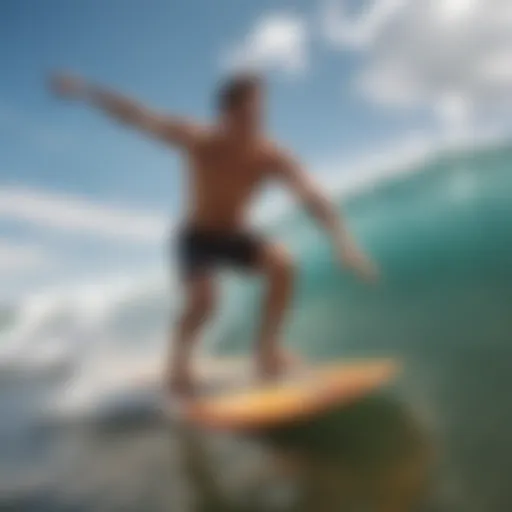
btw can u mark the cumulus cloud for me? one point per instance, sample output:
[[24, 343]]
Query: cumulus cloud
[[76, 215], [361, 31], [452, 56], [277, 42]]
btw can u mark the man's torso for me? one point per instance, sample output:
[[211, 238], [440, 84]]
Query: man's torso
[[224, 176]]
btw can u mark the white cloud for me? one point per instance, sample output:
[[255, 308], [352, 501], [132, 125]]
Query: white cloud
[[15, 258], [362, 31], [277, 41], [450, 56], [77, 215], [497, 66]]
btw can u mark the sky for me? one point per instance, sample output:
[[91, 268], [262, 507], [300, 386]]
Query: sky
[[81, 197]]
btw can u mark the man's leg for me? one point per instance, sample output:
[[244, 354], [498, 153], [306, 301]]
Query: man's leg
[[199, 303], [278, 268]]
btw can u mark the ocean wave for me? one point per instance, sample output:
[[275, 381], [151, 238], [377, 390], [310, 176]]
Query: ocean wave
[[120, 323]]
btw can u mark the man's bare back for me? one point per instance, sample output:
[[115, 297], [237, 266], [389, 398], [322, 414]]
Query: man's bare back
[[227, 164]]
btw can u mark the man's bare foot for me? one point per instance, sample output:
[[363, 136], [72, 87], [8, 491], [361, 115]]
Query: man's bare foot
[[181, 385], [274, 363]]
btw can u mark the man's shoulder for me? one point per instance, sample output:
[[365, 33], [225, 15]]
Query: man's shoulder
[[204, 131], [204, 135]]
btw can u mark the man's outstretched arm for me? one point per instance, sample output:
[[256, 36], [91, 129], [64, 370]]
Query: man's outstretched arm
[[289, 171], [170, 129]]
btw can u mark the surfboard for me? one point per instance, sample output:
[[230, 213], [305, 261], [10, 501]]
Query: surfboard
[[230, 399]]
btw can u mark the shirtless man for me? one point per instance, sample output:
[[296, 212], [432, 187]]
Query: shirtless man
[[227, 163]]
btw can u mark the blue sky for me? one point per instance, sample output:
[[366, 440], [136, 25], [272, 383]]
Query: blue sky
[[80, 196]]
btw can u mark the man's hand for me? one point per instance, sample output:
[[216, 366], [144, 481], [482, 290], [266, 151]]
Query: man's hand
[[67, 86], [170, 129], [352, 257]]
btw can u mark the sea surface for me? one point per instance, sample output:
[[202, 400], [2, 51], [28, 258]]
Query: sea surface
[[79, 430]]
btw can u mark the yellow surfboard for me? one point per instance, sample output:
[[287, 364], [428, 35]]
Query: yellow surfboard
[[243, 404]]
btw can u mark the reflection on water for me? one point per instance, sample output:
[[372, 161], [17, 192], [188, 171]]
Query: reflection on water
[[373, 454], [370, 456]]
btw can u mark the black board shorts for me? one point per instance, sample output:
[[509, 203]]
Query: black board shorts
[[201, 250]]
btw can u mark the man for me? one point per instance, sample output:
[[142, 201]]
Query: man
[[227, 164]]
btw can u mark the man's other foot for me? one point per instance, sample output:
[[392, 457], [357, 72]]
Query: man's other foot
[[181, 386], [278, 362]]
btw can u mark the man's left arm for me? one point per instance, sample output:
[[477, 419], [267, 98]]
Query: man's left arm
[[289, 171]]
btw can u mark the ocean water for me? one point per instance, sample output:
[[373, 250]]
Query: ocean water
[[79, 430]]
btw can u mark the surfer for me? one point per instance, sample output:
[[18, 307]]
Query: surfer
[[227, 164]]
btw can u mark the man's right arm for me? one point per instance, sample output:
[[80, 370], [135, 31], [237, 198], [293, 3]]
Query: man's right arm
[[173, 130]]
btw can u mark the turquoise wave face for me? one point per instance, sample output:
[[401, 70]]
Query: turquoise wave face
[[442, 236]]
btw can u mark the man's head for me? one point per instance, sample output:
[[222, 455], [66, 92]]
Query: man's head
[[240, 101]]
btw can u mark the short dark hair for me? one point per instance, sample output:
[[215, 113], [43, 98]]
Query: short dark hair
[[236, 89]]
